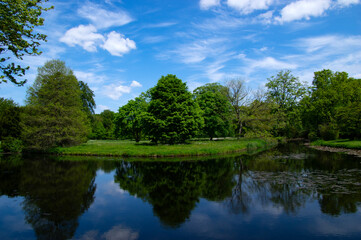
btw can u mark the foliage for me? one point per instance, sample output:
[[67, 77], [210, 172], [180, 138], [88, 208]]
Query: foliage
[[17, 36], [53, 115], [12, 145], [130, 119], [216, 109], [9, 119], [87, 97], [173, 116], [97, 128], [328, 131]]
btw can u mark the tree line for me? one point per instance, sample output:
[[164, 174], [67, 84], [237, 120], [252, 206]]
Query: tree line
[[59, 111]]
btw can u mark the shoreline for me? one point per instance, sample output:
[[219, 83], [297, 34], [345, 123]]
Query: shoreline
[[354, 152]]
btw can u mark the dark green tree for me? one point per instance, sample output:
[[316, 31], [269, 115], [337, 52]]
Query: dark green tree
[[108, 118], [18, 19], [173, 116], [53, 115], [9, 119], [87, 98], [130, 119], [216, 109]]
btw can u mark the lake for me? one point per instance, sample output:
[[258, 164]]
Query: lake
[[289, 192]]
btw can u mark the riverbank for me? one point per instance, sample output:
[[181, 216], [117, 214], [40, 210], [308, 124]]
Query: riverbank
[[126, 148], [352, 147]]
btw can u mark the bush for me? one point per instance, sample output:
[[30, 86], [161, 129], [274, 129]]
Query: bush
[[328, 132], [312, 136], [12, 145]]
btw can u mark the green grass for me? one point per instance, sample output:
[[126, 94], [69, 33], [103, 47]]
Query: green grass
[[128, 148], [340, 143]]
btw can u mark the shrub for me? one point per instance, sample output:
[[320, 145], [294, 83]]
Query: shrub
[[312, 136], [328, 132], [12, 145]]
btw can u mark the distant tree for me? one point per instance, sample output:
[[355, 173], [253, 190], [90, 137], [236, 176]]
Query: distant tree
[[173, 116], [238, 95], [53, 115], [130, 119], [87, 97], [17, 36], [216, 109], [108, 118], [97, 128], [9, 119]]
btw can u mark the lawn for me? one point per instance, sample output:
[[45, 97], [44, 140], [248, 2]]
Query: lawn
[[145, 149], [340, 143]]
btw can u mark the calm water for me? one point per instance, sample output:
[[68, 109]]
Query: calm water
[[291, 192]]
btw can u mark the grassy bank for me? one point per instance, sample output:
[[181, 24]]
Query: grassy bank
[[127, 148], [341, 143]]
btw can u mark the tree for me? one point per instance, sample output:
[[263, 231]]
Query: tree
[[53, 115], [9, 119], [108, 118], [87, 97], [216, 109], [238, 95], [18, 19], [285, 89], [173, 116], [130, 118]]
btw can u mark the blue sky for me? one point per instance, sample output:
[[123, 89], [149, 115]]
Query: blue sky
[[121, 48]]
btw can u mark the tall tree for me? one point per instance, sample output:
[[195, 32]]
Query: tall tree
[[18, 19], [216, 109], [173, 116], [238, 95], [53, 115], [87, 97]]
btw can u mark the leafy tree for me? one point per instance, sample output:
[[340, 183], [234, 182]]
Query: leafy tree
[[87, 97], [333, 105], [285, 89], [130, 119], [97, 128], [53, 115], [173, 116], [18, 19], [108, 118], [216, 109], [238, 95], [9, 119]]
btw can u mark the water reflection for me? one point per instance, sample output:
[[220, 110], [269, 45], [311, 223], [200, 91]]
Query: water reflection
[[55, 193]]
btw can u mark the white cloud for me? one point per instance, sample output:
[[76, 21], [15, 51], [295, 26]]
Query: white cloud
[[102, 18], [117, 45], [303, 9], [115, 91], [101, 108], [84, 36], [248, 6], [346, 3], [271, 63], [135, 84], [206, 4], [89, 77], [121, 233]]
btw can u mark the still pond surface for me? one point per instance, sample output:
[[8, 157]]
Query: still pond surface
[[290, 192]]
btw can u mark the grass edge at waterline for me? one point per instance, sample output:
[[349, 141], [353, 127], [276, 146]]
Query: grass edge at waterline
[[126, 148], [340, 143]]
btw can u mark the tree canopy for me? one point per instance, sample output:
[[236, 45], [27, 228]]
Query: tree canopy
[[173, 116], [53, 115], [18, 19]]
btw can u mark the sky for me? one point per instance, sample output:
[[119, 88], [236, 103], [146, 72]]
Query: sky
[[121, 48]]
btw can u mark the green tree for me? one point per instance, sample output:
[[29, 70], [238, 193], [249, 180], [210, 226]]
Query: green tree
[[130, 119], [216, 109], [53, 115], [108, 118], [18, 19], [87, 98], [9, 119], [173, 116]]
